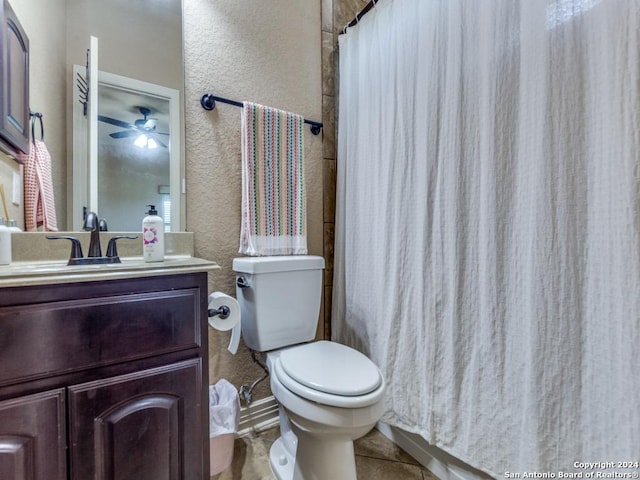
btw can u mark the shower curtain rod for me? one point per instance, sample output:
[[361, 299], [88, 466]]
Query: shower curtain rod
[[208, 102], [359, 15]]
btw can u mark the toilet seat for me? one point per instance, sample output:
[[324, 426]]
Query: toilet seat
[[330, 374]]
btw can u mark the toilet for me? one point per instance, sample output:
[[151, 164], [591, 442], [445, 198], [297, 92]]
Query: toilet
[[328, 394]]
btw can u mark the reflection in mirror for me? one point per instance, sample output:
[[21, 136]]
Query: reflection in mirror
[[139, 39], [138, 152], [133, 156]]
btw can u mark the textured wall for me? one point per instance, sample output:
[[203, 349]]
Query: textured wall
[[267, 51]]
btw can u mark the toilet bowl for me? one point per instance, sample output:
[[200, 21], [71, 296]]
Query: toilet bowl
[[329, 394], [318, 427]]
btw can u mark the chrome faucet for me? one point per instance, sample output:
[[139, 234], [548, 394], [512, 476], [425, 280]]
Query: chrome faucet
[[92, 224]]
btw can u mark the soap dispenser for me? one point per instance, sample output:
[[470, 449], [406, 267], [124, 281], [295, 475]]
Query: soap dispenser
[[152, 236]]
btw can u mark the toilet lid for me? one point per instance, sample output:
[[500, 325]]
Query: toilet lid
[[331, 368]]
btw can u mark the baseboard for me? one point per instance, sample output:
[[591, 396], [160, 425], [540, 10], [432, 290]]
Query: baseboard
[[439, 462], [258, 416]]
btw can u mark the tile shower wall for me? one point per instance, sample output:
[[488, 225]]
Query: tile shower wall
[[335, 15]]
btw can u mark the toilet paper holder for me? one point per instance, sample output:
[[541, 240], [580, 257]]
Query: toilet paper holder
[[222, 312]]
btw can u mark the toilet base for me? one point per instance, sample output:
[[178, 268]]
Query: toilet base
[[316, 440], [321, 459], [282, 462]]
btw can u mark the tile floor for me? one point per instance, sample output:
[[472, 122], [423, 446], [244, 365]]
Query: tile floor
[[377, 458]]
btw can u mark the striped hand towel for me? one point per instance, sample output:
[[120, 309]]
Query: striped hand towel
[[273, 193]]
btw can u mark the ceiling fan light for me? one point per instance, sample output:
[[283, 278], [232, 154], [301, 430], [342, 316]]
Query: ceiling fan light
[[152, 143], [141, 141]]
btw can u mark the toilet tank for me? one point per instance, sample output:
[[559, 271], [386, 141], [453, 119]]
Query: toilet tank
[[280, 303]]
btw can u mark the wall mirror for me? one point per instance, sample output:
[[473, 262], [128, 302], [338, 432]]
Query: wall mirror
[[140, 41], [139, 155]]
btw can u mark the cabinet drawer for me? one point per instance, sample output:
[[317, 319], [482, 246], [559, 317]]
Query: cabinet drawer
[[58, 337]]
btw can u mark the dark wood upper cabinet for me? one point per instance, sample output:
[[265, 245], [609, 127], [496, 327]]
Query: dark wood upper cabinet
[[14, 83]]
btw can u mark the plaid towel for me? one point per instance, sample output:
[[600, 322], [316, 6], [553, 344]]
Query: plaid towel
[[273, 193], [39, 203]]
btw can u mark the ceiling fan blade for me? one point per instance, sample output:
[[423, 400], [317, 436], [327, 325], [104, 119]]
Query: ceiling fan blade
[[160, 142], [113, 121], [124, 134], [161, 133]]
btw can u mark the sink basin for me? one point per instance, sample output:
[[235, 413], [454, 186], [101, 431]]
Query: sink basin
[[55, 267], [16, 268], [88, 264]]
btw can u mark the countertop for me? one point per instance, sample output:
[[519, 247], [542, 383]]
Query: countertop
[[45, 272]]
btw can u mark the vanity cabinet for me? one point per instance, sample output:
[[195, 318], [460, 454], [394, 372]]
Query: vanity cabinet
[[14, 83], [105, 380]]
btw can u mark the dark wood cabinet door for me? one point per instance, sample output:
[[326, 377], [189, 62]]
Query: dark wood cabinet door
[[14, 82], [145, 426], [33, 437]]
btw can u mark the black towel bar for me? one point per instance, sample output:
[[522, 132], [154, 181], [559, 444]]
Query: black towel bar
[[208, 102]]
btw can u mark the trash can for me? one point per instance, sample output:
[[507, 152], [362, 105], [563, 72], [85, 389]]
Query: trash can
[[224, 415]]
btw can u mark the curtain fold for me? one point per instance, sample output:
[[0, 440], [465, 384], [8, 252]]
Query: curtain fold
[[487, 251]]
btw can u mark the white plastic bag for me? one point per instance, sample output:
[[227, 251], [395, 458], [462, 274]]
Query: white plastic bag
[[224, 408], [224, 416]]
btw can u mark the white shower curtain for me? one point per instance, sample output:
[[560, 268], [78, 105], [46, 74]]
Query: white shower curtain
[[487, 251]]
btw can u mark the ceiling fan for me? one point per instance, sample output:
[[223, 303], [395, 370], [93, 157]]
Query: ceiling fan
[[144, 128]]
